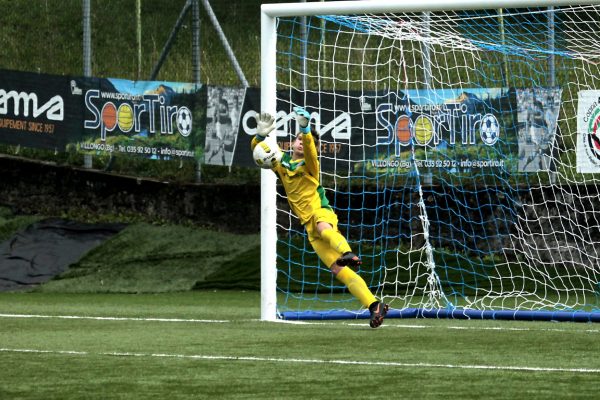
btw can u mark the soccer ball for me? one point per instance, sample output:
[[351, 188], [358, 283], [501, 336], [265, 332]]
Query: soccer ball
[[490, 129], [184, 121], [265, 156]]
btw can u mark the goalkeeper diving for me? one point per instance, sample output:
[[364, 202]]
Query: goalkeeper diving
[[300, 175]]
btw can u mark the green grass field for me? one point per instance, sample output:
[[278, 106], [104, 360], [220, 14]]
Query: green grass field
[[130, 326], [211, 344]]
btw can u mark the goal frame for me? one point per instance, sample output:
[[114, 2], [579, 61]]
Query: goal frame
[[269, 15]]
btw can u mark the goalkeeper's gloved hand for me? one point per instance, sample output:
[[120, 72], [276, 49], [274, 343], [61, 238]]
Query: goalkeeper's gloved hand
[[302, 117], [265, 123]]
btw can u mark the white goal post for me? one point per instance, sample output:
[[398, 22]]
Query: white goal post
[[270, 14]]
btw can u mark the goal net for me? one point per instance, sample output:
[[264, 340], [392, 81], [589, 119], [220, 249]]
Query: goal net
[[458, 149]]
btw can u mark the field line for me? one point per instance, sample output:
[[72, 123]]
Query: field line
[[387, 326], [114, 318], [450, 327], [310, 361]]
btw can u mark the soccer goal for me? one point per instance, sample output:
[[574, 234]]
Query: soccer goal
[[458, 149]]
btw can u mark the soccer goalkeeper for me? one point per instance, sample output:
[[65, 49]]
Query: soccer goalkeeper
[[300, 176]]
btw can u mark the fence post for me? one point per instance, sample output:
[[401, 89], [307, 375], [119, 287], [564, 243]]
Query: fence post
[[87, 59]]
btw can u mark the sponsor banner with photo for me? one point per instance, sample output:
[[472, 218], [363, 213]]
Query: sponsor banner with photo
[[449, 131], [537, 118], [223, 115], [153, 119], [456, 130], [588, 134]]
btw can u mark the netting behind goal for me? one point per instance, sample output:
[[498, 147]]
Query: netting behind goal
[[460, 153]]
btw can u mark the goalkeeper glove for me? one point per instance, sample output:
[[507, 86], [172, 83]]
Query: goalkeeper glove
[[302, 118], [265, 123]]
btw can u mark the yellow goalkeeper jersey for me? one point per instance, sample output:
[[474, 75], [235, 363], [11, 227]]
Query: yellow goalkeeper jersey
[[300, 179]]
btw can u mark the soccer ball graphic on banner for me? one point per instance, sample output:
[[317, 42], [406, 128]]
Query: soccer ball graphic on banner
[[265, 156], [184, 121], [490, 130]]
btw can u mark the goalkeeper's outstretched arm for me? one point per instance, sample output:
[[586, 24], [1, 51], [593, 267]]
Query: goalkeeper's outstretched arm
[[311, 159], [265, 123]]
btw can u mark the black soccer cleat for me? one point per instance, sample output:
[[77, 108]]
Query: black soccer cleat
[[378, 311], [349, 259]]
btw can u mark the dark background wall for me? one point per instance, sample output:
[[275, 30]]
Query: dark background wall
[[33, 187]]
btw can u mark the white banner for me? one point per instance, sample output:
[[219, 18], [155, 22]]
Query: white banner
[[588, 135]]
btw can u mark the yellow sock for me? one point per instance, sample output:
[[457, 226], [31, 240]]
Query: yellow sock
[[336, 240], [356, 285]]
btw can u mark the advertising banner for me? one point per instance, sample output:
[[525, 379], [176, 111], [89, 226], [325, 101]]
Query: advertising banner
[[223, 115], [285, 131], [456, 130], [451, 131], [159, 120], [38, 110], [154, 119], [588, 135], [537, 118]]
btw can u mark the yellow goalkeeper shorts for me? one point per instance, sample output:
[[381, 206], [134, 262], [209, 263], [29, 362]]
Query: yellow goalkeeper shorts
[[322, 247]]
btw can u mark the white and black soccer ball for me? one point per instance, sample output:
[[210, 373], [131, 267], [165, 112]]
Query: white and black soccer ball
[[490, 129], [184, 121], [266, 156]]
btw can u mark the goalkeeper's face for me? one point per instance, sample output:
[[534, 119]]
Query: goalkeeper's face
[[297, 149]]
